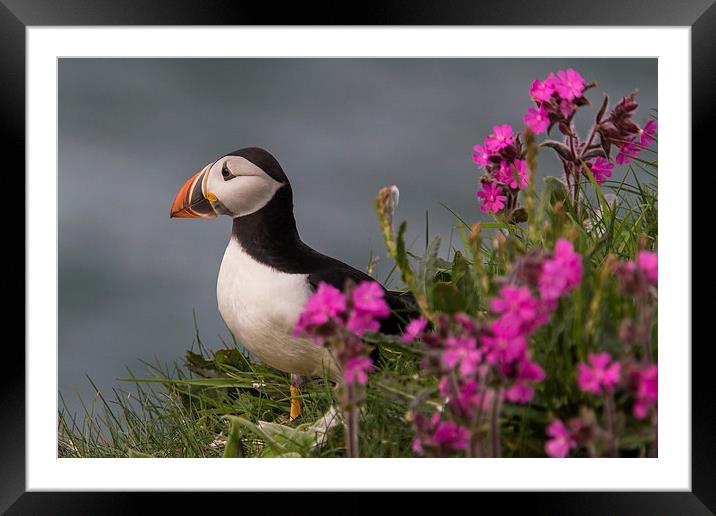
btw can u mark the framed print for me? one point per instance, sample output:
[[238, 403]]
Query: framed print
[[441, 268]]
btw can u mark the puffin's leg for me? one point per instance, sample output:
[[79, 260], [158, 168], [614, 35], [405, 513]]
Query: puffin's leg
[[296, 405]]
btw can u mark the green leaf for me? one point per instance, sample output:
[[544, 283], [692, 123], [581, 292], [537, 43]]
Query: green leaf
[[560, 147], [555, 189], [233, 358], [293, 442], [134, 454], [401, 254], [459, 268], [518, 216], [605, 204], [447, 298], [279, 440], [393, 344], [428, 267], [234, 448], [636, 438], [200, 365], [464, 281]]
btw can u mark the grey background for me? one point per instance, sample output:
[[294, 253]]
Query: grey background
[[131, 131]]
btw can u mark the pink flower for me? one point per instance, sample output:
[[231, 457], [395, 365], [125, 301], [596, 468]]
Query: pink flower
[[530, 371], [523, 174], [561, 273], [602, 375], [500, 138], [462, 351], [522, 391], [647, 391], [503, 174], [369, 298], [571, 260], [570, 84], [543, 90], [627, 151], [537, 119], [414, 329], [480, 157], [636, 275], [506, 344], [561, 443], [516, 302], [601, 169], [506, 176], [451, 436], [362, 322], [468, 397], [648, 263], [566, 108], [368, 304], [647, 133], [356, 370], [325, 304], [552, 281], [493, 200]]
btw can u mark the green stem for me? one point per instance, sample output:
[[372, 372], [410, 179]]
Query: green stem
[[351, 423], [611, 450], [495, 423]]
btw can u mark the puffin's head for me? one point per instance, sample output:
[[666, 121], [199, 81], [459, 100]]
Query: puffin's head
[[237, 184]]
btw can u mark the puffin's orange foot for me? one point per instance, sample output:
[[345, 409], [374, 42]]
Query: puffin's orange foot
[[296, 405]]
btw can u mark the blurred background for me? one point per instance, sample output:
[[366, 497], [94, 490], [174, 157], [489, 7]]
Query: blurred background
[[132, 131]]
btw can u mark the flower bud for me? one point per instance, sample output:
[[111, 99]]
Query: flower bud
[[627, 331]]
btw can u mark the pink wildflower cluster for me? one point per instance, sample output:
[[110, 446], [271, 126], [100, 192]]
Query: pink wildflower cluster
[[602, 375], [440, 437], [643, 380], [340, 320], [560, 273], [620, 130], [502, 156], [637, 276], [557, 99], [482, 364]]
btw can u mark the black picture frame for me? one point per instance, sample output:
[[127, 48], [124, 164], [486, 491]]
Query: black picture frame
[[700, 15]]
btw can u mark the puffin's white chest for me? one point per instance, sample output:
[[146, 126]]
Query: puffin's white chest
[[261, 305]]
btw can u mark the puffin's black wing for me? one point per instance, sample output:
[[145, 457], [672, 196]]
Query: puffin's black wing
[[403, 307]]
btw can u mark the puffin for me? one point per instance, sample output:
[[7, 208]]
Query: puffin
[[268, 273]]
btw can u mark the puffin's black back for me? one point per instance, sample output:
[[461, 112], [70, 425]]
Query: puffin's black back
[[270, 236]]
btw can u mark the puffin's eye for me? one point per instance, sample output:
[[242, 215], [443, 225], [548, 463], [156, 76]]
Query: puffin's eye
[[226, 173]]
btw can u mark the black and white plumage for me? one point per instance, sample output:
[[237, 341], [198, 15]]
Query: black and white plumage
[[268, 272]]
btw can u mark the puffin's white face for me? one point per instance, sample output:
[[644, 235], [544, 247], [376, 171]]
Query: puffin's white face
[[231, 186], [239, 186]]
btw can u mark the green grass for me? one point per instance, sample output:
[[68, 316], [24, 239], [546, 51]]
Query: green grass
[[183, 412], [211, 403]]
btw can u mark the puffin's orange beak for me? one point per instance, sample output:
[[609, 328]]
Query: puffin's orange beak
[[192, 201]]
